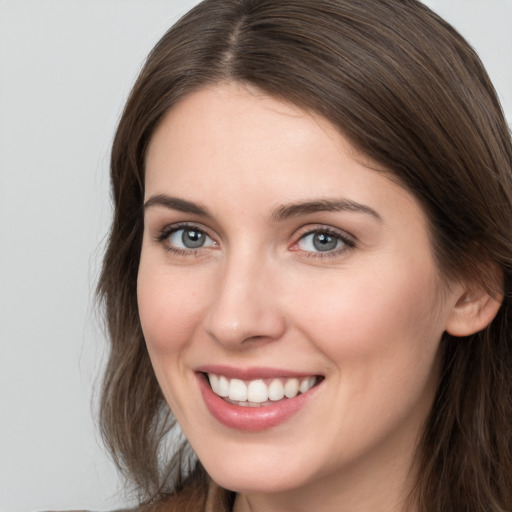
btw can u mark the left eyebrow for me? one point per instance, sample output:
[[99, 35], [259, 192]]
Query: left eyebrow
[[175, 203], [323, 205]]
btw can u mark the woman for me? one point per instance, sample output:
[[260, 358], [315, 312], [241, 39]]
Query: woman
[[309, 265]]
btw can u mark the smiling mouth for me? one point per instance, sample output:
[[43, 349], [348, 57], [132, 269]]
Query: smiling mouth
[[260, 392]]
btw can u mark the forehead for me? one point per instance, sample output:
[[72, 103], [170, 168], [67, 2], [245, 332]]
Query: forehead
[[240, 125], [228, 142]]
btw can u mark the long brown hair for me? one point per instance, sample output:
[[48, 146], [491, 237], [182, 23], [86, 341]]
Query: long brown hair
[[408, 91]]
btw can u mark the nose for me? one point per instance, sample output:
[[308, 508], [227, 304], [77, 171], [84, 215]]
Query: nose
[[245, 306]]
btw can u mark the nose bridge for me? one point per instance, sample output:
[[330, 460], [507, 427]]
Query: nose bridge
[[244, 305]]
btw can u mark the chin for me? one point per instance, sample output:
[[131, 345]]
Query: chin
[[254, 481], [263, 474]]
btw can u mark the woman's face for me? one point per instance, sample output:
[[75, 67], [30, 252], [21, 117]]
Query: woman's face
[[274, 261]]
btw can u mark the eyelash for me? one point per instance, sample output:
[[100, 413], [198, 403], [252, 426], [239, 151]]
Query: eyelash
[[166, 232], [348, 241]]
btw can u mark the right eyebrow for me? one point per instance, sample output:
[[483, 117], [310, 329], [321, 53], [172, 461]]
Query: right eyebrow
[[174, 203], [322, 205]]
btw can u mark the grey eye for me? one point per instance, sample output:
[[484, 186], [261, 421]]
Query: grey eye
[[324, 242], [190, 238], [320, 241]]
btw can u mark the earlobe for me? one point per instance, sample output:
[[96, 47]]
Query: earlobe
[[473, 311]]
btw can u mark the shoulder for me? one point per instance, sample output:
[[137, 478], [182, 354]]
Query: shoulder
[[190, 499], [136, 509]]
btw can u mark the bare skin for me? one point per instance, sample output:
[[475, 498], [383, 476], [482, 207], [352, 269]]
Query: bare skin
[[280, 248]]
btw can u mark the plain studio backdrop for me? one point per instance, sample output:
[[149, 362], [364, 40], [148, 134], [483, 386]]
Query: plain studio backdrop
[[66, 67]]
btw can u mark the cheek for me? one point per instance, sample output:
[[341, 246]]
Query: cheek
[[388, 320], [169, 310], [380, 337]]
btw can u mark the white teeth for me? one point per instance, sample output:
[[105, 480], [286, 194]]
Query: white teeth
[[275, 390], [291, 388], [237, 390], [214, 382], [223, 386], [220, 385], [256, 392], [306, 384]]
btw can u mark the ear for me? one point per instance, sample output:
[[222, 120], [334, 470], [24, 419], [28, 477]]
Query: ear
[[474, 309]]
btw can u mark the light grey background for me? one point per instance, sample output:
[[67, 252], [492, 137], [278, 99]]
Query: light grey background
[[66, 67]]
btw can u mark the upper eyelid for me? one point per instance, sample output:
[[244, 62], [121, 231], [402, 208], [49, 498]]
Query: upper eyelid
[[176, 226], [322, 228]]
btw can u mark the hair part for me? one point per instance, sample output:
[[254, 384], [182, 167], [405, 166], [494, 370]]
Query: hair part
[[409, 93]]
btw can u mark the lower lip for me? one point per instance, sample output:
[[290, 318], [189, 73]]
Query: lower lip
[[252, 419]]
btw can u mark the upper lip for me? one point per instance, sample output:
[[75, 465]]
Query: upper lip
[[251, 373]]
